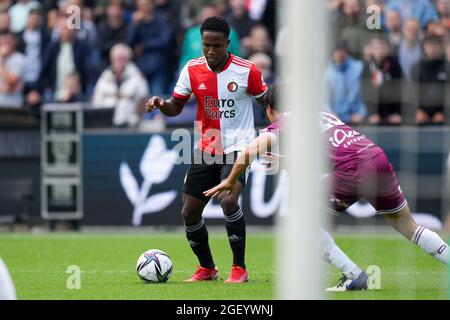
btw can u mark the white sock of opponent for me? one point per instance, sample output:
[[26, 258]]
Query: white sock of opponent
[[334, 255], [431, 243], [7, 291]]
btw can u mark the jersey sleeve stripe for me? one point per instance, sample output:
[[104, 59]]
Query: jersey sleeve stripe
[[242, 60], [190, 64], [242, 65], [261, 94]]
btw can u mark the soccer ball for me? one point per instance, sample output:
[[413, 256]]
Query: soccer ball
[[154, 266]]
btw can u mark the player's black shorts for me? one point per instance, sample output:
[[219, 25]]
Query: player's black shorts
[[203, 175]]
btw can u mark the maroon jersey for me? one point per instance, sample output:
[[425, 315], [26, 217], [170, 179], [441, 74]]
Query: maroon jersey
[[344, 143], [356, 162], [276, 126]]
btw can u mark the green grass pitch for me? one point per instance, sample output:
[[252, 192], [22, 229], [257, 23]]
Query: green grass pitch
[[38, 265]]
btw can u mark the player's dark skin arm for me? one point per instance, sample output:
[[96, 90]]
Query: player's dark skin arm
[[170, 107]]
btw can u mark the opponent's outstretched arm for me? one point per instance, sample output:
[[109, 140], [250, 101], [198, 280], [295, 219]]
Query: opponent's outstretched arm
[[257, 147]]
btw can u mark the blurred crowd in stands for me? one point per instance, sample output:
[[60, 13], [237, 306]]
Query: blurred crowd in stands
[[393, 75], [116, 53]]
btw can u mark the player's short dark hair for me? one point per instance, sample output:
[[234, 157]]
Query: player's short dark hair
[[272, 97], [216, 24]]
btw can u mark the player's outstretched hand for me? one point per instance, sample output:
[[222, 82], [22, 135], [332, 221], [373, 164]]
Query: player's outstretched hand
[[225, 185], [153, 103]]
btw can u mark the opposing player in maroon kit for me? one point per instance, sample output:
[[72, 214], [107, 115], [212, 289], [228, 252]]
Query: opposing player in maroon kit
[[223, 85], [359, 168]]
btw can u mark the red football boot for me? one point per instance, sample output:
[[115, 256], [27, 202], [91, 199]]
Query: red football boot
[[238, 275], [204, 274]]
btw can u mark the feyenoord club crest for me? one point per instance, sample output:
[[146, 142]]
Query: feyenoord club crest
[[232, 86]]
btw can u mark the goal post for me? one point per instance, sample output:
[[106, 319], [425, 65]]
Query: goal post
[[302, 94]]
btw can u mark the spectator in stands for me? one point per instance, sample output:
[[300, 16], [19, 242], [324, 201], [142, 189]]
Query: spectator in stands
[[422, 10], [123, 87], [343, 77], [351, 26], [430, 76], [52, 20], [257, 41], [71, 90], [86, 31], [5, 22], [192, 42], [32, 43], [264, 63], [382, 85], [150, 36], [171, 9], [223, 6], [89, 26], [265, 13], [256, 9], [379, 3], [64, 56], [334, 7], [443, 8], [410, 49], [99, 9], [191, 10], [5, 5], [239, 19], [12, 66], [394, 28], [111, 31], [435, 28], [19, 13]]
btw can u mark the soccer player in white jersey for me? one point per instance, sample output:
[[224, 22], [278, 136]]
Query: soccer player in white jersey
[[223, 85]]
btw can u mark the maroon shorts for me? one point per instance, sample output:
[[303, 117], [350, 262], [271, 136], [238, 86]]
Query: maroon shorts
[[374, 179]]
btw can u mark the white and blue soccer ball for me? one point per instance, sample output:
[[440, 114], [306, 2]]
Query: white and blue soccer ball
[[154, 266]]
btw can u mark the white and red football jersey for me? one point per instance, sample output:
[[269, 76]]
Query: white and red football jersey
[[224, 105]]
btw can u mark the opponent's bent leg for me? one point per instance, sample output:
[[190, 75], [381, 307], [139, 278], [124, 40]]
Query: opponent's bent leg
[[353, 277], [336, 257], [427, 240]]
